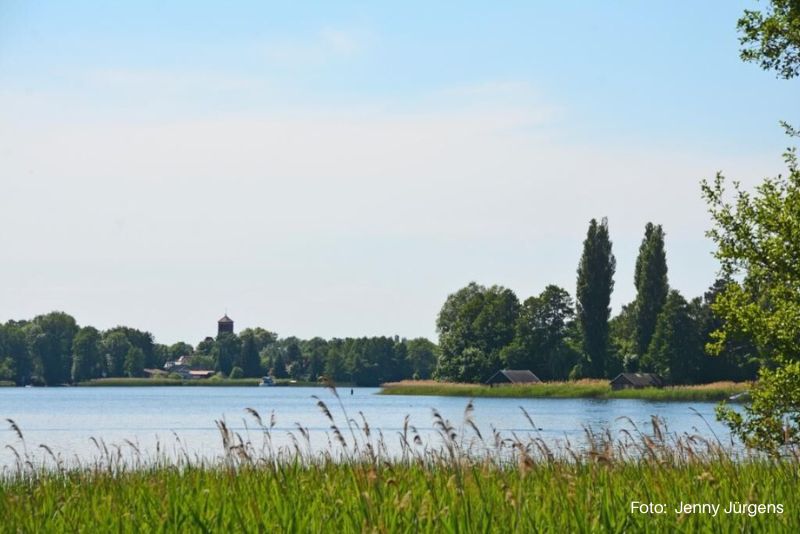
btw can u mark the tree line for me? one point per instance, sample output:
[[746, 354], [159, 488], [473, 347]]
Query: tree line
[[52, 349], [483, 329]]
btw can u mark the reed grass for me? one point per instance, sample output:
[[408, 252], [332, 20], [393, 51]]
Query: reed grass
[[596, 389], [459, 481]]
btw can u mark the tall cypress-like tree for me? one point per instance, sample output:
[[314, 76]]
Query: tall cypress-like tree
[[595, 284], [650, 279]]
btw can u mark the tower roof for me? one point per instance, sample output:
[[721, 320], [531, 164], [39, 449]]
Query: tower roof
[[225, 320]]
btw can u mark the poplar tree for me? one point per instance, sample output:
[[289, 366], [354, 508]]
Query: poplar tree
[[594, 287], [650, 279]]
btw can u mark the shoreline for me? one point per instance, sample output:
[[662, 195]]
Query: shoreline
[[167, 382], [584, 389]]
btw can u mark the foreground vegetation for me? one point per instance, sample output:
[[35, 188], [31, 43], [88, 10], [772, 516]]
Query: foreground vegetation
[[594, 389], [411, 497], [461, 481]]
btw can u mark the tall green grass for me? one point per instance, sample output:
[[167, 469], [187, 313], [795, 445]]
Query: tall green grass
[[412, 497], [461, 481], [596, 389]]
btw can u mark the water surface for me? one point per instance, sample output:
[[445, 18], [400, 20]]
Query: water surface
[[182, 419]]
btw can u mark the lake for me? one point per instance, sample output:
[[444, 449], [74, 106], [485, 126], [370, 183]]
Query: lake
[[183, 418]]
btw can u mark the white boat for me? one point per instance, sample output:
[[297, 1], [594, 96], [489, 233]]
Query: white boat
[[267, 381]]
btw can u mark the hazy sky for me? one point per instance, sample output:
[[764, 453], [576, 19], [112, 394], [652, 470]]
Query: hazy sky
[[337, 169]]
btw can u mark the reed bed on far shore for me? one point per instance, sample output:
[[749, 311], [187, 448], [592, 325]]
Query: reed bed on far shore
[[460, 480], [596, 389]]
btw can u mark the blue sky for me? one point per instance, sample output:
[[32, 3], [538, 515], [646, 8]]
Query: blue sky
[[337, 170]]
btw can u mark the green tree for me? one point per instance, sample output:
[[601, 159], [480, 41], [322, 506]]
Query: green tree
[[594, 287], [227, 348], [772, 419], [279, 367], [143, 340], [772, 38], [541, 337], [114, 347], [756, 238], [249, 361], [176, 350], [14, 352], [675, 350], [421, 355], [737, 358], [50, 345], [474, 366], [262, 338], [317, 349], [134, 362], [86, 359], [293, 354], [205, 347], [622, 336], [650, 279], [334, 361], [478, 318]]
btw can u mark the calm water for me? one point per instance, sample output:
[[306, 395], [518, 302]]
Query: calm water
[[66, 418]]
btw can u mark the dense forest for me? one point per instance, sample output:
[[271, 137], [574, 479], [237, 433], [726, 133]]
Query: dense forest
[[481, 329]]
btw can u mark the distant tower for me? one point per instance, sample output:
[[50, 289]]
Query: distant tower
[[225, 325]]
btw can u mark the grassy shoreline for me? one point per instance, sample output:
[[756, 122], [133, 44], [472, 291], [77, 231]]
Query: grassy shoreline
[[592, 389], [361, 497]]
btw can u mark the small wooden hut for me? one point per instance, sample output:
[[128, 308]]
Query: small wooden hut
[[509, 376], [637, 381]]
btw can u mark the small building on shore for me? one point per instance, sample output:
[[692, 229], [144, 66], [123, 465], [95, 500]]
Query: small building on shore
[[637, 381], [512, 376]]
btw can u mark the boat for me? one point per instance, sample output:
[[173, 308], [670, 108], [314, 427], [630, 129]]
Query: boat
[[744, 396], [266, 381]]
